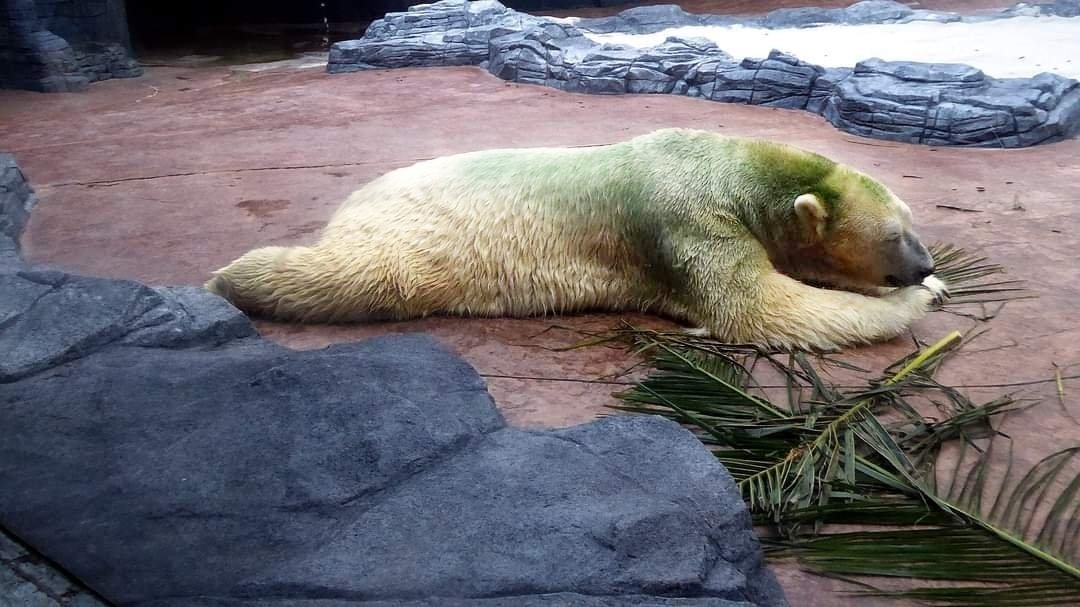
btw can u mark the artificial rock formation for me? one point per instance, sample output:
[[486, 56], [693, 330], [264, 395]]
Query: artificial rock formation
[[937, 104], [17, 199], [63, 45], [161, 452]]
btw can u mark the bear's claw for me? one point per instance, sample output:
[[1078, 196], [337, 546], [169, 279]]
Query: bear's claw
[[937, 288]]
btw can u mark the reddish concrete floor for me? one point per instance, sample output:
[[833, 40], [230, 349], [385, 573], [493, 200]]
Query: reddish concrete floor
[[167, 177]]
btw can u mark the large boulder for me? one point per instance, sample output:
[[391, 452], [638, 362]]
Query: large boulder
[[943, 104], [162, 453]]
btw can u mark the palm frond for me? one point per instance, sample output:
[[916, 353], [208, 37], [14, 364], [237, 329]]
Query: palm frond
[[831, 459], [1054, 481], [981, 569], [870, 456], [969, 277], [782, 458], [1010, 520]]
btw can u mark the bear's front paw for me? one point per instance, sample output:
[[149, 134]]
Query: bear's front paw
[[937, 288]]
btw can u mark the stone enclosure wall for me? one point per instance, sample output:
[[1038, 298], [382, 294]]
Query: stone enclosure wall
[[63, 45], [934, 104]]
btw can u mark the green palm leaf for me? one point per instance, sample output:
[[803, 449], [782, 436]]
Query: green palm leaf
[[834, 460], [967, 276], [782, 460], [832, 455]]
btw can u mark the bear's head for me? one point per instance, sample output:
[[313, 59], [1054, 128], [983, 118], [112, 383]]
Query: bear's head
[[858, 234]]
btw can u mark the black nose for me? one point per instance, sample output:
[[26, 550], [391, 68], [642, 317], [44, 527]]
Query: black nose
[[913, 276]]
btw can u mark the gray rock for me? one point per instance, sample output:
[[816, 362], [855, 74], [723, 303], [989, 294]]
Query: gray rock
[[188, 316], [27, 580], [876, 11], [16, 201], [104, 61], [51, 317], [449, 32], [781, 80], [10, 259], [10, 548], [1065, 8], [865, 12], [559, 599], [62, 45], [932, 16], [645, 20], [649, 19], [939, 104], [1021, 10], [802, 17], [164, 454], [35, 59], [727, 20], [823, 86], [931, 73], [378, 469], [15, 591]]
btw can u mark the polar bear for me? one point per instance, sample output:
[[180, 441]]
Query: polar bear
[[751, 241]]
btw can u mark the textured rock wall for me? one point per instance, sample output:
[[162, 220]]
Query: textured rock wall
[[17, 199], [935, 104], [164, 454], [62, 45], [79, 21], [26, 578]]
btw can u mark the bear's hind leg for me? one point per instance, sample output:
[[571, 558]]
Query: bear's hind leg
[[298, 284]]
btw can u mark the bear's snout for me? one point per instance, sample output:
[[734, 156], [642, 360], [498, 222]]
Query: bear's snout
[[925, 270], [911, 262], [914, 274]]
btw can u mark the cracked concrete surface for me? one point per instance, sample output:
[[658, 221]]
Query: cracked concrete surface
[[165, 178]]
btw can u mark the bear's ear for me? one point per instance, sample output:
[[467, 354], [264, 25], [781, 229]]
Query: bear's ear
[[812, 214]]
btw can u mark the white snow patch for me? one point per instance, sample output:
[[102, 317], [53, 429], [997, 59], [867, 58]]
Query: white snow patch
[[1016, 47]]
